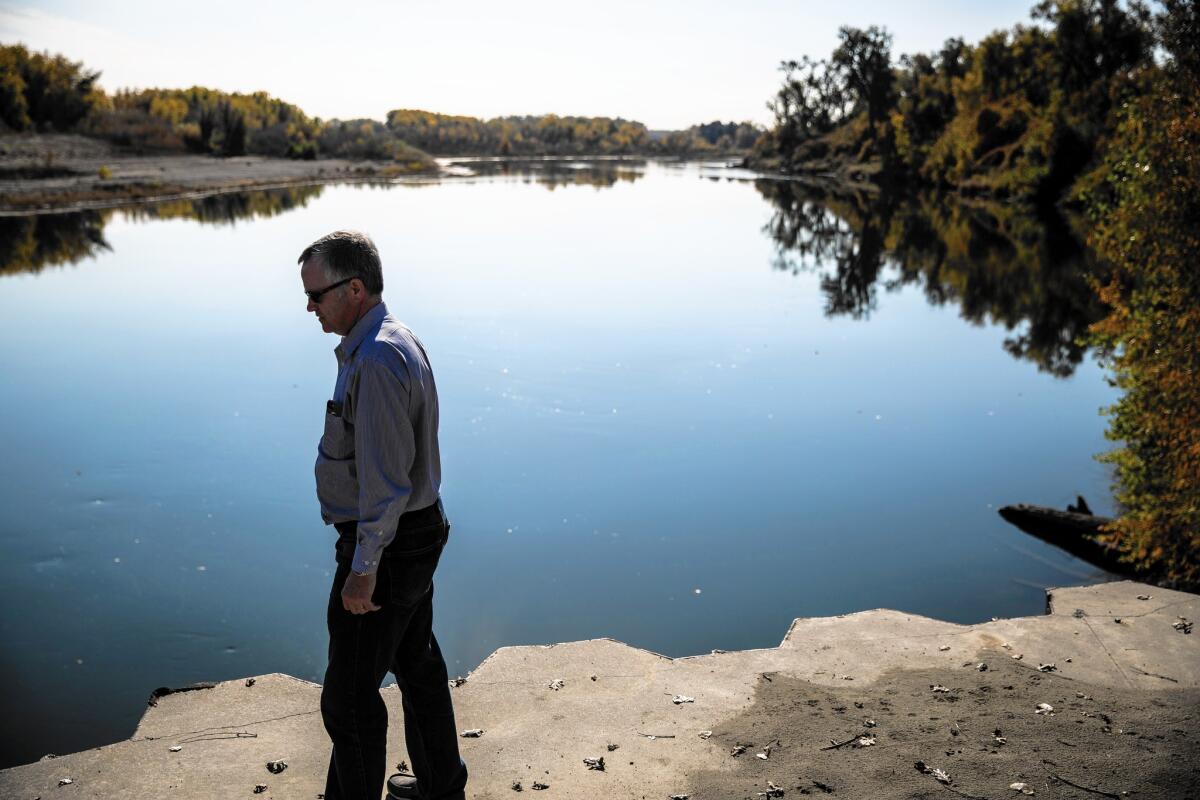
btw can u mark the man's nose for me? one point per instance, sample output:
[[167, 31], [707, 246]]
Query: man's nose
[[311, 306]]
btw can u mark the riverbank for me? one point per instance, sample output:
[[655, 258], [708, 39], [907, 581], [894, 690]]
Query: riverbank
[[54, 173], [1098, 696]]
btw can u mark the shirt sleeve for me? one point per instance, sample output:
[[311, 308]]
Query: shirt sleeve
[[385, 448]]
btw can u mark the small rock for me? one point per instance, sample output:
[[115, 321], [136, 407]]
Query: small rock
[[737, 750], [943, 648], [472, 733], [557, 684], [250, 681], [457, 682], [175, 748], [276, 767], [1183, 625], [594, 763], [539, 786], [679, 699], [982, 667], [1018, 656], [613, 747], [1047, 668], [1023, 788], [680, 796], [870, 723], [516, 786], [865, 741], [65, 781], [259, 788], [1144, 596], [705, 734], [938, 688], [772, 791], [1044, 708]]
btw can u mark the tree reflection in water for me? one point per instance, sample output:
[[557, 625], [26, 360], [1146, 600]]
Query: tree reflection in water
[[555, 172], [1000, 264], [33, 243]]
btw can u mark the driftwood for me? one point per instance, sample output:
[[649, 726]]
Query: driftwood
[[1074, 532]]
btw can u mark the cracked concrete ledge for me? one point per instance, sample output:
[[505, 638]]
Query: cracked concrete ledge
[[1102, 636]]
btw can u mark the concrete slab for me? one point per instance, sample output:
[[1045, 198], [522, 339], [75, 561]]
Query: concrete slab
[[617, 702]]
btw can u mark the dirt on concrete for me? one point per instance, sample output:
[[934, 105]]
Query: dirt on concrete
[[981, 728]]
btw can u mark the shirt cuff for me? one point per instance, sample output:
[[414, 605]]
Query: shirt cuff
[[366, 559]]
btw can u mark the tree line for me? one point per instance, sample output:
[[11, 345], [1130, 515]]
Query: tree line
[[1021, 114], [1096, 107], [44, 92]]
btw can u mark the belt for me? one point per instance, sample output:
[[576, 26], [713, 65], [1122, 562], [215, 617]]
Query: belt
[[409, 520]]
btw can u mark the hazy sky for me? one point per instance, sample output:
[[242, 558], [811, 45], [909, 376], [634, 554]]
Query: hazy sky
[[668, 64]]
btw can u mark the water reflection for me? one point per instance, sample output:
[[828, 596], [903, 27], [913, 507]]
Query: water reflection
[[31, 244], [1000, 264], [997, 263], [555, 172], [224, 209]]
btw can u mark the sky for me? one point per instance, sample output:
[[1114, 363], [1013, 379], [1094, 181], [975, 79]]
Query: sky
[[667, 64]]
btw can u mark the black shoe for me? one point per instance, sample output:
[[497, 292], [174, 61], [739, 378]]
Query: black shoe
[[403, 787]]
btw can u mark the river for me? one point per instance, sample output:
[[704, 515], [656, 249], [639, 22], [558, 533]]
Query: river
[[681, 405]]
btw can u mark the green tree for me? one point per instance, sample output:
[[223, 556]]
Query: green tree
[[864, 59], [43, 91]]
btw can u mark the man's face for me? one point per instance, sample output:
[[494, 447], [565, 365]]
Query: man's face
[[337, 309]]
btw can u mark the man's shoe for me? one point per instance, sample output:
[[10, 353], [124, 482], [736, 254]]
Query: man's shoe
[[403, 787]]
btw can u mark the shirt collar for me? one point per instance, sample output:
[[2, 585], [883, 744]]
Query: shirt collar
[[369, 322]]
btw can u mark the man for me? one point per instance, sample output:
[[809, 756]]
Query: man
[[378, 475]]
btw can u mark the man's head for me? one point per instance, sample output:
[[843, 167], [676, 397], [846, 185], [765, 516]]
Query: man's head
[[343, 278]]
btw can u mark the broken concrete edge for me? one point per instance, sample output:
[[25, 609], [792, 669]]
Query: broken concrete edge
[[951, 629], [164, 691], [500, 651]]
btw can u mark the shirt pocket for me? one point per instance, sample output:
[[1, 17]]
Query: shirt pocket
[[337, 441]]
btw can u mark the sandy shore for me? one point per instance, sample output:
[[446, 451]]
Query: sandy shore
[[56, 173]]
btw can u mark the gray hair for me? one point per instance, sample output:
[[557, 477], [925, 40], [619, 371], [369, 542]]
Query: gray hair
[[348, 254]]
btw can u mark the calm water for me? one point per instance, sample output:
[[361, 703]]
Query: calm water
[[679, 409]]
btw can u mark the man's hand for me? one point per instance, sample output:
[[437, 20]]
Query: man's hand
[[356, 594]]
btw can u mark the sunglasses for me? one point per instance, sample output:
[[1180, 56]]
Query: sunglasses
[[316, 294]]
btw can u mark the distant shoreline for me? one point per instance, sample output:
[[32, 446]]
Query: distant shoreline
[[63, 173], [60, 173]]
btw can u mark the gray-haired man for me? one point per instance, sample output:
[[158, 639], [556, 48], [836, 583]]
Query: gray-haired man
[[378, 475]]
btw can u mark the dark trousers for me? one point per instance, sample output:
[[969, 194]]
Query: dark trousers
[[398, 638]]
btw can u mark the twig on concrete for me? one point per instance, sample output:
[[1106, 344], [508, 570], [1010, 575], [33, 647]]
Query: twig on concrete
[[656, 736], [1077, 786], [1153, 675], [851, 740], [217, 735]]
